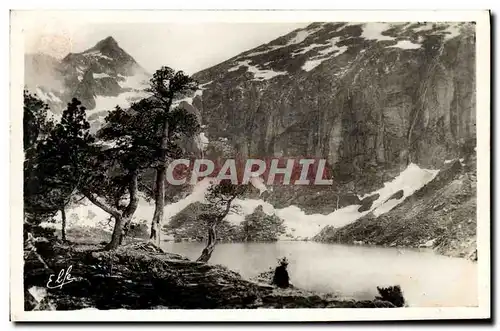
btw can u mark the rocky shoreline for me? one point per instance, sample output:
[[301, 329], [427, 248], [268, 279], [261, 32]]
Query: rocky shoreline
[[440, 216], [142, 276]]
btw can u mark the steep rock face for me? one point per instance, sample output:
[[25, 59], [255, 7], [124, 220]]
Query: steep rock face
[[368, 97]]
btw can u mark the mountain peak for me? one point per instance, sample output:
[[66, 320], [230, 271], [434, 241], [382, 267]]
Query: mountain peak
[[106, 43]]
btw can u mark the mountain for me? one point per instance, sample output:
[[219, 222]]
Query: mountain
[[101, 77], [371, 98], [387, 104]]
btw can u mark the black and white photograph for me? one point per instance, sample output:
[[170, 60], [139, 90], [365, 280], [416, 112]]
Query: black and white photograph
[[247, 166]]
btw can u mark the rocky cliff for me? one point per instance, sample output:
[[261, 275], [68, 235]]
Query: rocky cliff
[[368, 97]]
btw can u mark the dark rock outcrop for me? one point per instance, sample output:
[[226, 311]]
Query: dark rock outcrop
[[367, 202], [396, 196]]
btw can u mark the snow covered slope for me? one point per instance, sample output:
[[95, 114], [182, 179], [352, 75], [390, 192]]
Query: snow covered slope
[[440, 215], [301, 226]]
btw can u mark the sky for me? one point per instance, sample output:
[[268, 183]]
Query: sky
[[184, 46]]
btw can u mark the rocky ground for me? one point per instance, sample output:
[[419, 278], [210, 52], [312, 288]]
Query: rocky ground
[[441, 215], [142, 276]]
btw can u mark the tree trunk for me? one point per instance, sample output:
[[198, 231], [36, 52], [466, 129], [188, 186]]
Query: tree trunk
[[159, 204], [117, 234], [133, 204], [121, 218], [212, 240], [63, 226], [160, 186]]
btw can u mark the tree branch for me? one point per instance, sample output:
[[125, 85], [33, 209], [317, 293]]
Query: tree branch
[[228, 207], [108, 209]]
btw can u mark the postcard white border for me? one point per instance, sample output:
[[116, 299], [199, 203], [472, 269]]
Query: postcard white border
[[19, 20]]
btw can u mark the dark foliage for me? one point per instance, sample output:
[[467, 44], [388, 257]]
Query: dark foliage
[[392, 294], [57, 167]]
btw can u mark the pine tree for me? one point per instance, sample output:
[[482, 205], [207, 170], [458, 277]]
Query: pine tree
[[36, 126], [136, 139], [259, 226], [220, 198], [59, 164], [165, 86]]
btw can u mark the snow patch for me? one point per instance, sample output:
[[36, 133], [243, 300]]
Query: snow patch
[[97, 54], [54, 97], [123, 100], [44, 97], [306, 49], [102, 75], [197, 195], [311, 64], [451, 30], [429, 243], [267, 50], [135, 82], [258, 183], [298, 38], [202, 86], [86, 214], [324, 54], [406, 44], [424, 27], [258, 73], [47, 97], [106, 144], [302, 35], [373, 31], [410, 180], [202, 141], [306, 226], [190, 99], [235, 68], [454, 31]]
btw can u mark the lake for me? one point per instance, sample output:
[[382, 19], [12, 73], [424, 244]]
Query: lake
[[426, 278]]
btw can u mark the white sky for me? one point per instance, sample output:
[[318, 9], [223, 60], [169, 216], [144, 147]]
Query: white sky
[[183, 46]]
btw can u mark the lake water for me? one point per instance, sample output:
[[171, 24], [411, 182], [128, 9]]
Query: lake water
[[426, 278]]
